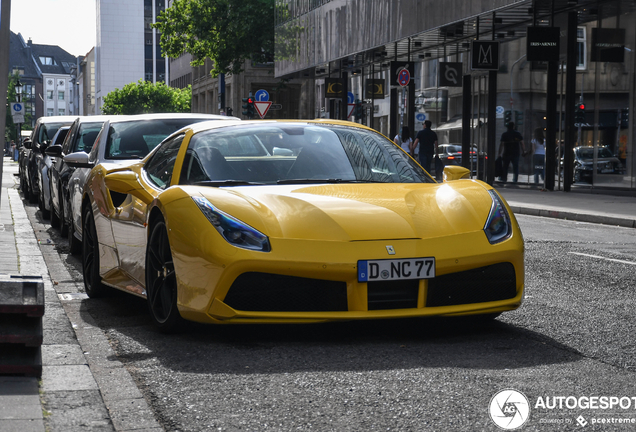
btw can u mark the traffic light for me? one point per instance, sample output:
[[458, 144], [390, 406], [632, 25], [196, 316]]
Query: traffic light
[[507, 117], [358, 110], [579, 114], [518, 118], [248, 107]]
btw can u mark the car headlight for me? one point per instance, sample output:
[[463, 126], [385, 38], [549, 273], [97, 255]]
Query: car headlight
[[236, 233], [498, 227]]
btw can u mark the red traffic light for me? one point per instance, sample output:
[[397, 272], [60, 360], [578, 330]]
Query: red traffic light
[[581, 106], [250, 100]]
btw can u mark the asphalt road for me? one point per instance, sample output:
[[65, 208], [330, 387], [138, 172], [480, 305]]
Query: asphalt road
[[574, 336]]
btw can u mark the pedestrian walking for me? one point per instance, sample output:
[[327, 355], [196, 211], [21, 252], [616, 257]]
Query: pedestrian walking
[[426, 139], [538, 156], [404, 140], [511, 140]]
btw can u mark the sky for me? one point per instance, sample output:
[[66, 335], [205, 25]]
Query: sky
[[69, 24]]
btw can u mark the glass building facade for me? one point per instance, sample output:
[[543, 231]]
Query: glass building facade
[[588, 114]]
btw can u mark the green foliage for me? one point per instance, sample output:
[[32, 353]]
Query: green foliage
[[229, 32], [145, 97]]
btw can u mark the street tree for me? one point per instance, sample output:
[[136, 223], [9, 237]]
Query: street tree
[[145, 97], [229, 32]]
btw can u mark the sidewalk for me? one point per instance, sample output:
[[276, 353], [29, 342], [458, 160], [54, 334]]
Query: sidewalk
[[83, 386]]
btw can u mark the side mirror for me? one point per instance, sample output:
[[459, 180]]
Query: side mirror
[[127, 182], [78, 160], [55, 150], [455, 172], [27, 144]]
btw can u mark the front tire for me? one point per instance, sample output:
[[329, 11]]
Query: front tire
[[161, 281], [90, 257]]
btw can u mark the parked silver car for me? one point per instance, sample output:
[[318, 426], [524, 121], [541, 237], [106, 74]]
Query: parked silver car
[[121, 140], [44, 162]]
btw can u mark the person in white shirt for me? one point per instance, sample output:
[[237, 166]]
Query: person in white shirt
[[404, 140], [538, 158]]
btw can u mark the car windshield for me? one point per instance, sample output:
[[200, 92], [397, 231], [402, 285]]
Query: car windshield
[[86, 137], [588, 152], [291, 153], [135, 139], [47, 131]]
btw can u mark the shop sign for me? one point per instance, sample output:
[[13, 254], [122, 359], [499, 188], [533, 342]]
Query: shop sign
[[485, 55], [333, 88], [374, 89], [608, 45], [543, 44], [450, 74]]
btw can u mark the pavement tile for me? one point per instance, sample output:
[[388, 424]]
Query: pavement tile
[[68, 377], [31, 425], [70, 411], [20, 407], [62, 354], [116, 384]]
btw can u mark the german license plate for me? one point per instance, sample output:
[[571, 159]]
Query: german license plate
[[396, 269]]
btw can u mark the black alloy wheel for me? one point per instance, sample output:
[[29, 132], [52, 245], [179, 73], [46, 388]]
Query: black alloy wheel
[[55, 220], [90, 257], [75, 245], [161, 281], [63, 222], [41, 205]]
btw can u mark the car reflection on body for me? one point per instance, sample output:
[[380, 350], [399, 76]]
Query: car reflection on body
[[451, 154], [296, 221], [121, 139], [606, 163]]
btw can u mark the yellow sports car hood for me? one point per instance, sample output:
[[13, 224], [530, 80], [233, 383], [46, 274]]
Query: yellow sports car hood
[[356, 212]]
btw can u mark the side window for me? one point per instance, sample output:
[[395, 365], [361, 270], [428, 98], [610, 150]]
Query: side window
[[160, 166], [70, 137]]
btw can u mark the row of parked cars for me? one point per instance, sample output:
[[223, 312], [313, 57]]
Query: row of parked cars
[[55, 161]]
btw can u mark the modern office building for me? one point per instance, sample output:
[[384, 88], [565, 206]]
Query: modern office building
[[564, 66], [127, 47]]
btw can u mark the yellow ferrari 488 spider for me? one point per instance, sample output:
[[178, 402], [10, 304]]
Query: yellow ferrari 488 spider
[[297, 221]]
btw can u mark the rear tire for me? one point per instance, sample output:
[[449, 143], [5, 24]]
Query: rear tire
[[90, 257], [161, 281]]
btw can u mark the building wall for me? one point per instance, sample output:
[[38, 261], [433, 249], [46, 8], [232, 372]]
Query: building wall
[[119, 53]]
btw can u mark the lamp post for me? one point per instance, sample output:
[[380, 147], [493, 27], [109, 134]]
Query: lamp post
[[18, 98]]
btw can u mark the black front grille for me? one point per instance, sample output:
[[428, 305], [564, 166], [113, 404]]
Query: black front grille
[[264, 292], [484, 284], [392, 294]]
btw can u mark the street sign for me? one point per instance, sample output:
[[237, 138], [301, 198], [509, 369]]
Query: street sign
[[276, 107], [17, 110], [404, 77], [420, 117], [350, 97], [262, 107], [261, 96], [351, 107], [499, 112]]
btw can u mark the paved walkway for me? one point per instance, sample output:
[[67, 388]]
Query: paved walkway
[[83, 386]]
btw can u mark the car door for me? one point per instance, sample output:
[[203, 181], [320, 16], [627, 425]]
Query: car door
[[129, 219]]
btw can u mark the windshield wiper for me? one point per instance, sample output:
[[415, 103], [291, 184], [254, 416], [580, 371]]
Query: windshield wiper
[[218, 183], [308, 181]]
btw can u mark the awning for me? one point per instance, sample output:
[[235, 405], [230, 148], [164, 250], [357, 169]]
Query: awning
[[456, 123]]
